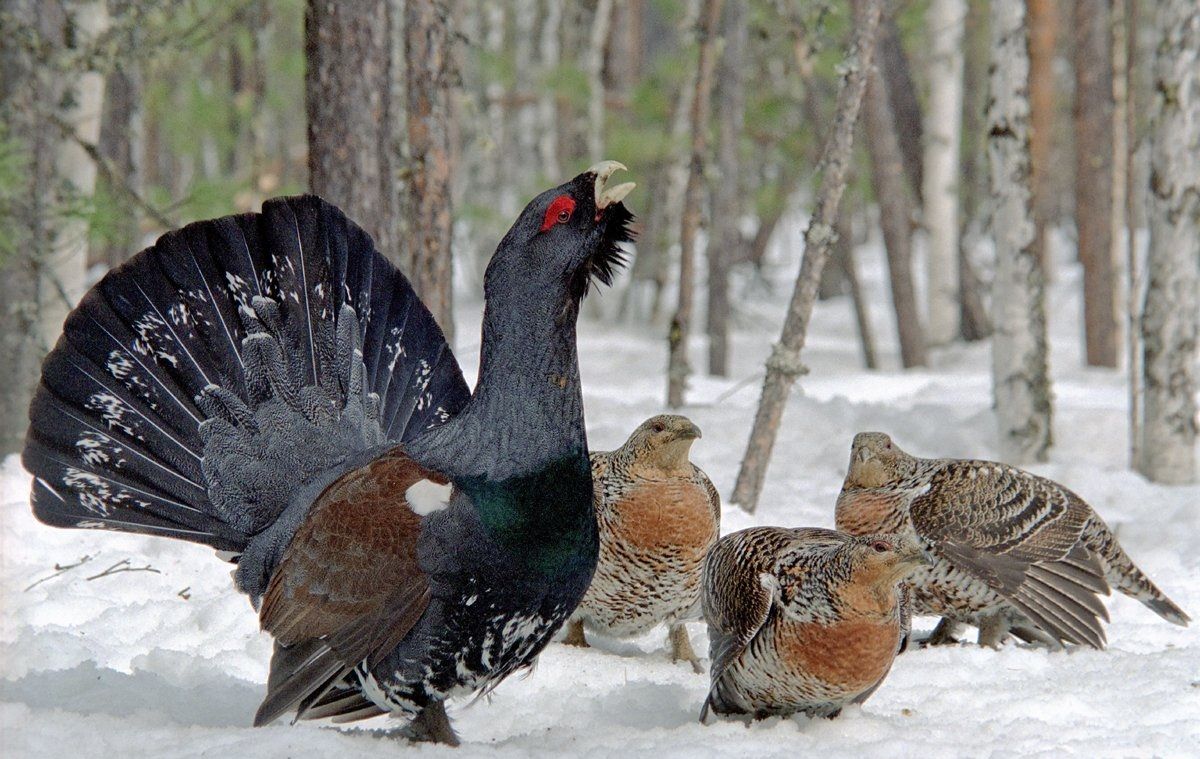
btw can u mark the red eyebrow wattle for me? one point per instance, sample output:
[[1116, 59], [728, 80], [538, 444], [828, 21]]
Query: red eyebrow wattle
[[557, 206]]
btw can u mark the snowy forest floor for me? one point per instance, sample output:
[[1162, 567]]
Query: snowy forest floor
[[170, 662]]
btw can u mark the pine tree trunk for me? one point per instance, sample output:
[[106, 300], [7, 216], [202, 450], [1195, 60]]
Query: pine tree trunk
[[727, 195], [427, 36], [1094, 179], [678, 367], [120, 144], [350, 108], [844, 255], [1019, 368], [972, 313], [783, 367], [1043, 31], [895, 217], [944, 21], [1171, 313], [902, 101], [598, 45]]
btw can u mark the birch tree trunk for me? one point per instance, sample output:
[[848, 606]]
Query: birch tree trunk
[[598, 44], [678, 368], [943, 125], [548, 53], [47, 113], [902, 93], [430, 217], [1170, 316], [726, 240], [895, 217], [349, 104], [1019, 369], [1094, 179], [783, 367]]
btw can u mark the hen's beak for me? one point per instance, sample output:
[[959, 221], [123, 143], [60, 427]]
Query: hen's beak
[[607, 196]]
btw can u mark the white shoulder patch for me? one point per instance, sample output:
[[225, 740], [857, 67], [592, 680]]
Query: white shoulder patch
[[768, 581], [425, 497]]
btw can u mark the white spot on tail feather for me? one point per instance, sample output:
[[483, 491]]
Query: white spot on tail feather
[[425, 497]]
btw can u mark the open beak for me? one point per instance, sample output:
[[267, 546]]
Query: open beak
[[605, 195]]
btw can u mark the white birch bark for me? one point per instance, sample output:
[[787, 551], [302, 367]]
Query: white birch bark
[[548, 52], [67, 265], [595, 74], [945, 21], [1171, 314], [1019, 373]]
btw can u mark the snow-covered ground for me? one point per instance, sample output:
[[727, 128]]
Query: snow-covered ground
[[170, 662]]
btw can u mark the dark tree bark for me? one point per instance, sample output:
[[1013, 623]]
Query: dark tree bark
[[844, 257], [349, 103], [1043, 31], [895, 217], [429, 216], [727, 195], [1094, 178], [120, 145], [973, 319], [902, 100], [678, 367], [783, 367]]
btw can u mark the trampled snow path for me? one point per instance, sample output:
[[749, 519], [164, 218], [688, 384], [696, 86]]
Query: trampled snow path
[[171, 663]]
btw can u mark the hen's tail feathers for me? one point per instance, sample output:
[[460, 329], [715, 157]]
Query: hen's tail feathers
[[1125, 576], [196, 387]]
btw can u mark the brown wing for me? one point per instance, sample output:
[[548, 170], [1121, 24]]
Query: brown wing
[[349, 587], [1019, 534], [736, 603], [714, 498]]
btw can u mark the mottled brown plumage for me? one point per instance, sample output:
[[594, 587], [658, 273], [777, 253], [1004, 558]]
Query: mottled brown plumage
[[361, 606], [803, 620], [657, 514], [1012, 551]]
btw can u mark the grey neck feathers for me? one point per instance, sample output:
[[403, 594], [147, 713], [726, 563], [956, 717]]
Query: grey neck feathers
[[527, 408]]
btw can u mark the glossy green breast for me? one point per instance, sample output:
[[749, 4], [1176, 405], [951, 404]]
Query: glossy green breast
[[545, 519]]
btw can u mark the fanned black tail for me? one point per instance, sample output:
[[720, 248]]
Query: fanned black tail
[[286, 327]]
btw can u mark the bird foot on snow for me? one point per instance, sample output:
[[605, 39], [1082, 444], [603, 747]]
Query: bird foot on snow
[[681, 648], [942, 635], [575, 636], [431, 726]]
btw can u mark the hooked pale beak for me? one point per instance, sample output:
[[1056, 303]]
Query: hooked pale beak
[[690, 432], [607, 196]]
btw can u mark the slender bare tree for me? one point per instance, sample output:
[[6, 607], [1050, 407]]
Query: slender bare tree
[[1171, 314], [783, 367], [1019, 365], [678, 367], [895, 217], [1094, 180], [945, 22], [727, 192]]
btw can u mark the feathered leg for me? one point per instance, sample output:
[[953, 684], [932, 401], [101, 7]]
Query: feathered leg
[[431, 726], [681, 647], [575, 636], [944, 634]]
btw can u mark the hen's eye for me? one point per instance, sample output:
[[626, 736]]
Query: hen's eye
[[880, 546], [657, 428]]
